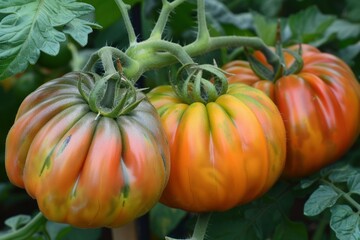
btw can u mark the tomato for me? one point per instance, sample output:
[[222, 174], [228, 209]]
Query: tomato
[[320, 106], [223, 153], [84, 169]]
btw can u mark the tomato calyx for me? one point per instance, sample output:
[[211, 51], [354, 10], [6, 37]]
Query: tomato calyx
[[113, 95], [269, 73], [274, 72], [199, 83]]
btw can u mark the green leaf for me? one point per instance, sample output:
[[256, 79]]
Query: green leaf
[[232, 225], [32, 26], [17, 221], [80, 234], [289, 230], [219, 14], [353, 184], [308, 182], [265, 28], [310, 25], [322, 198], [345, 223], [105, 14], [164, 219], [57, 231], [341, 173], [352, 10], [344, 29], [349, 53]]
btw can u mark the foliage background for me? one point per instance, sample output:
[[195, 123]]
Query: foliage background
[[333, 26]]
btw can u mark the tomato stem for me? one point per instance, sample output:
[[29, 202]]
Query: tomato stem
[[154, 52], [203, 35], [201, 226], [26, 231], [128, 25], [167, 8]]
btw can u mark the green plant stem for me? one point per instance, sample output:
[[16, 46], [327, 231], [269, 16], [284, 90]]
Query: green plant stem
[[201, 226], [128, 25], [320, 229], [155, 53], [256, 43], [107, 61], [345, 195], [203, 32], [27, 231], [147, 55], [159, 27]]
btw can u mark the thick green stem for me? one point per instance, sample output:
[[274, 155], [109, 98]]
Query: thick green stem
[[167, 8], [156, 54], [201, 226], [233, 41], [28, 230], [125, 15], [203, 32], [145, 54]]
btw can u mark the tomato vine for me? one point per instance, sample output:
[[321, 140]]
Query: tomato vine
[[106, 89]]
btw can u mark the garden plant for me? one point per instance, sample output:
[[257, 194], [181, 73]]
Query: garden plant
[[188, 119]]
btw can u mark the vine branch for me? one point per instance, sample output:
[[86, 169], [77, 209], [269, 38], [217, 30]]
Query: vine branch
[[167, 8], [124, 8], [345, 195], [28, 230]]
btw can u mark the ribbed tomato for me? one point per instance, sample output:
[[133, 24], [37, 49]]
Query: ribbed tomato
[[320, 106], [223, 153], [84, 169]]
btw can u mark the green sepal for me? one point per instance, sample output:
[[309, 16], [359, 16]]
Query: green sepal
[[298, 63], [199, 83], [262, 71], [113, 95]]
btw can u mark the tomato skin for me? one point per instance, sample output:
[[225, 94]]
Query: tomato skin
[[320, 106], [224, 153], [84, 169]]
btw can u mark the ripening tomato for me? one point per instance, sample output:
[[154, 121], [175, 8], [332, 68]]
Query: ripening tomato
[[223, 153], [320, 106], [84, 169]]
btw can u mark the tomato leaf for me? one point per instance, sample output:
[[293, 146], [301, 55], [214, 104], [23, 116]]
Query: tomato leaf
[[218, 14], [349, 53], [164, 219], [353, 184], [33, 26], [345, 223], [344, 29], [57, 230], [265, 28], [17, 221], [342, 173], [289, 230], [322, 198], [352, 9], [309, 26]]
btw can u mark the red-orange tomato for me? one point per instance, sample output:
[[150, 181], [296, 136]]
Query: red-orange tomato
[[84, 169], [320, 106], [223, 153]]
